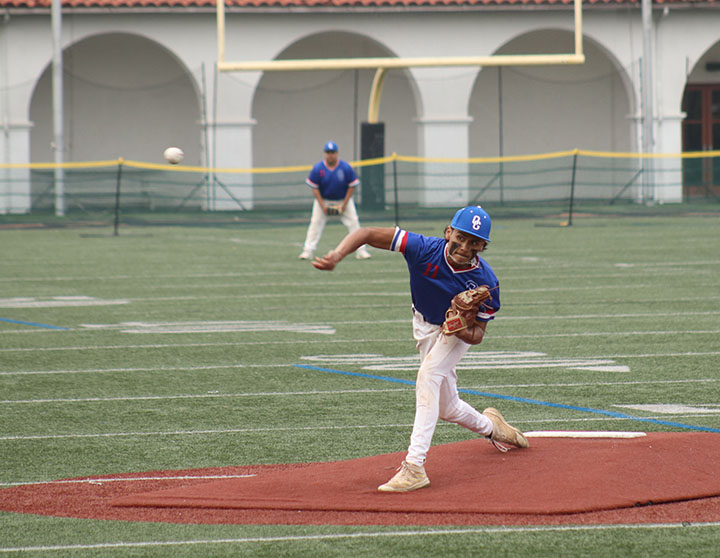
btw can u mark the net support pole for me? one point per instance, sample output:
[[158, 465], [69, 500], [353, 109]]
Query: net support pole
[[395, 189], [572, 187], [647, 100], [118, 181], [57, 104]]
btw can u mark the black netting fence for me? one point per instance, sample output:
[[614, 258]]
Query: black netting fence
[[391, 188]]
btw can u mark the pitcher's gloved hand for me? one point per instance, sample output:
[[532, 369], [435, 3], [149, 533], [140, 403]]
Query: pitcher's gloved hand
[[463, 309]]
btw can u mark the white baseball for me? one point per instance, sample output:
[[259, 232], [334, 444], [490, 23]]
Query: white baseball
[[174, 155]]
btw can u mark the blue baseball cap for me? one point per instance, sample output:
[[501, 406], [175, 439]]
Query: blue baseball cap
[[330, 146], [473, 220]]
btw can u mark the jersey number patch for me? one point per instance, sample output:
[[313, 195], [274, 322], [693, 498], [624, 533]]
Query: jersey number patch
[[431, 270]]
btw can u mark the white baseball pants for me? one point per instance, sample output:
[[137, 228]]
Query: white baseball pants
[[318, 219], [436, 394]]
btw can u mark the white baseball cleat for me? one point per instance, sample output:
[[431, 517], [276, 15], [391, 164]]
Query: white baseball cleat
[[305, 255], [409, 477], [364, 255], [503, 433]]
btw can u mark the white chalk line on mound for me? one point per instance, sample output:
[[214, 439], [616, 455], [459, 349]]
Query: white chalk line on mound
[[363, 535]]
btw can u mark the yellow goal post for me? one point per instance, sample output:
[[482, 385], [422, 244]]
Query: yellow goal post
[[383, 64]]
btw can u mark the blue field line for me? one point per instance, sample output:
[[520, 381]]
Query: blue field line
[[613, 414], [46, 326]]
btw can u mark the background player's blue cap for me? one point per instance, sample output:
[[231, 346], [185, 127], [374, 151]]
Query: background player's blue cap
[[473, 220], [330, 146]]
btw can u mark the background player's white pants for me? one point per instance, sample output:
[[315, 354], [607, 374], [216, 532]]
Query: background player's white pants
[[318, 219], [436, 394]]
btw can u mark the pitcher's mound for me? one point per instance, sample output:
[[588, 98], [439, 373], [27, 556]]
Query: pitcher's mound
[[555, 481], [553, 476]]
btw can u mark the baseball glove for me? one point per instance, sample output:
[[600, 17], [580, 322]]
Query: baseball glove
[[463, 309], [334, 209]]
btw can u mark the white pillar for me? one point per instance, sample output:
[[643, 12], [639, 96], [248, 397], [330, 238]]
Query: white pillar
[[668, 171], [232, 191], [15, 183], [442, 183]]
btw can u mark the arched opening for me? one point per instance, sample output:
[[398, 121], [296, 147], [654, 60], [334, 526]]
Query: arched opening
[[701, 126]]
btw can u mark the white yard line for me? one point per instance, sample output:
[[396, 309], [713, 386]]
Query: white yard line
[[353, 341], [291, 364], [199, 432], [431, 532], [199, 396], [128, 479], [223, 431]]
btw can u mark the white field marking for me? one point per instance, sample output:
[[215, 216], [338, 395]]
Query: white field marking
[[197, 396], [215, 327], [220, 344], [607, 334], [402, 305], [676, 408], [490, 360], [598, 384], [356, 341], [58, 302], [664, 265], [440, 425], [288, 365], [254, 326], [610, 316], [151, 369], [126, 479], [460, 531], [201, 432], [582, 434], [500, 319], [342, 290]]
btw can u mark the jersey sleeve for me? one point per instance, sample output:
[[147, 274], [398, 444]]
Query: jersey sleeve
[[487, 313], [313, 179], [399, 240], [489, 309], [352, 178], [409, 244]]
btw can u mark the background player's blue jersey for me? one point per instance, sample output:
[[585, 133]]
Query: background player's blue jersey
[[333, 184], [433, 280]]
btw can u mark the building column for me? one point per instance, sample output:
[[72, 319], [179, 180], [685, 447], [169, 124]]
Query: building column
[[15, 193], [231, 145], [444, 183], [669, 171]]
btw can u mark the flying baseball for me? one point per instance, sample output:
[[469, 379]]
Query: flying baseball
[[173, 155]]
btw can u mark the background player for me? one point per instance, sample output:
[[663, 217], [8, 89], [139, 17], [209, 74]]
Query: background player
[[333, 182], [440, 268]]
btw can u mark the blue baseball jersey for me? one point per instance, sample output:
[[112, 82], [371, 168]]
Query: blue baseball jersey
[[333, 184], [434, 281]]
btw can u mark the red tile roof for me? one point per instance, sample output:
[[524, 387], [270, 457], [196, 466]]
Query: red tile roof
[[45, 4]]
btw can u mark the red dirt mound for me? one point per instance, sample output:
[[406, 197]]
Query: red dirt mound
[[557, 480]]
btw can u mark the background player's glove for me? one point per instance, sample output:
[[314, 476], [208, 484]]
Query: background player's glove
[[463, 309], [334, 209]]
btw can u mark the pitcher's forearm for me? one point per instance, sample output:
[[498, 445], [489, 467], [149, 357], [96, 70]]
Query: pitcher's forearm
[[377, 237]]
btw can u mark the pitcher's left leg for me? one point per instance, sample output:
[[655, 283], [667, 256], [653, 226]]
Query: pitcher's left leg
[[453, 409], [440, 360]]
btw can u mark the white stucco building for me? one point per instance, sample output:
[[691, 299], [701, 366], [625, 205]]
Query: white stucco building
[[141, 75]]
